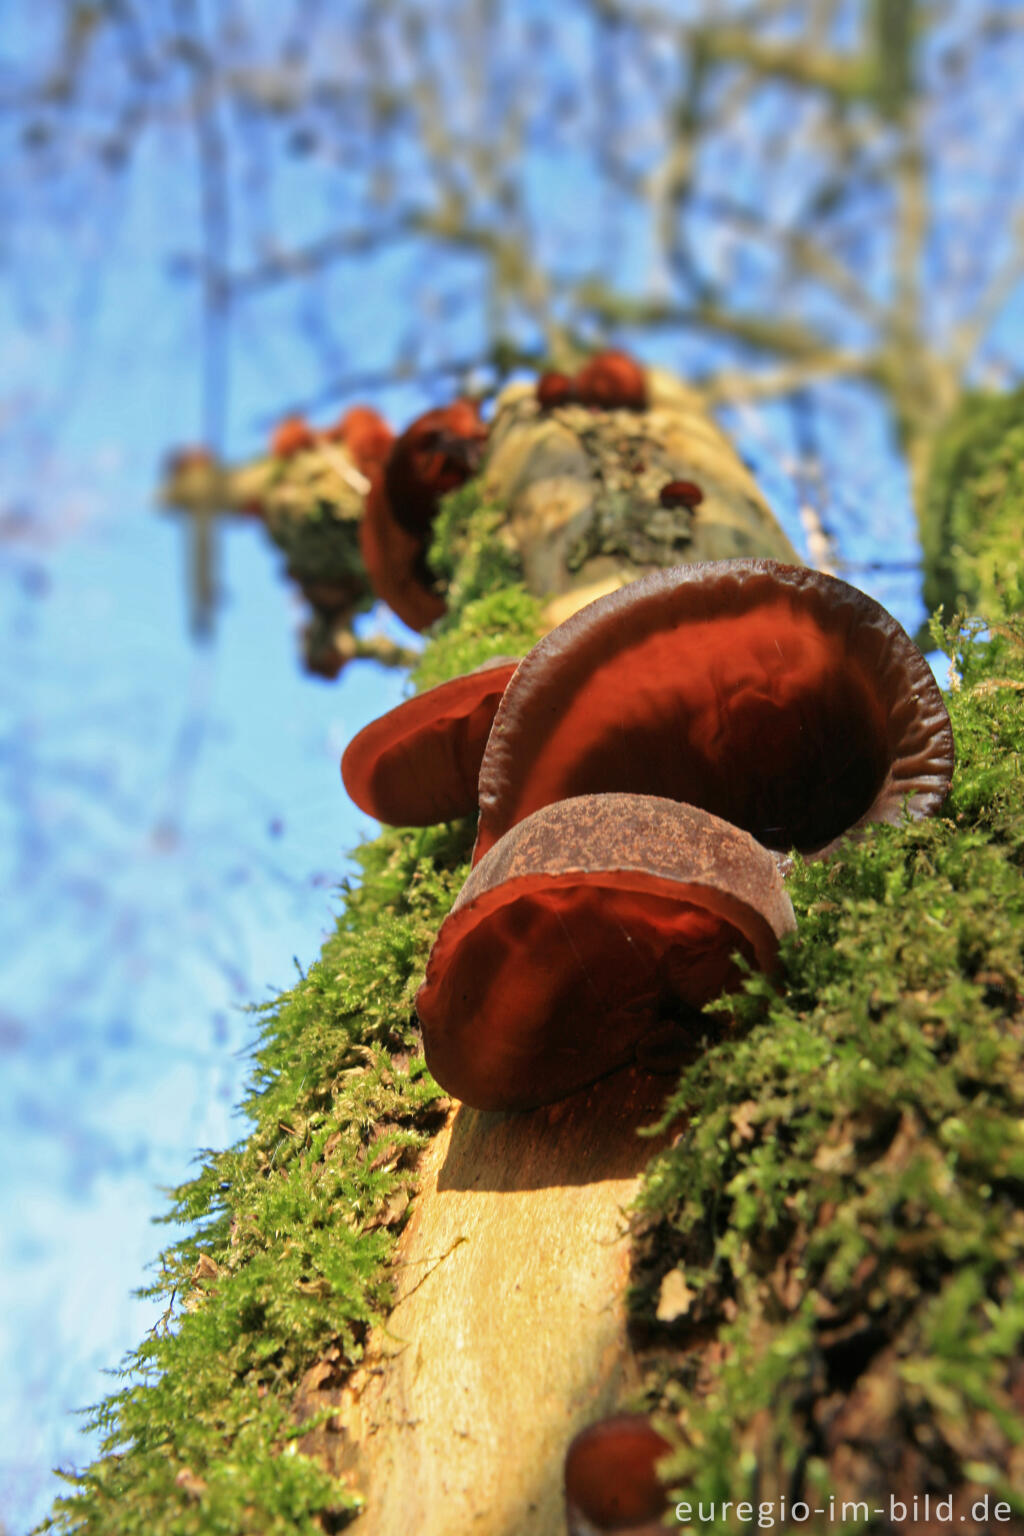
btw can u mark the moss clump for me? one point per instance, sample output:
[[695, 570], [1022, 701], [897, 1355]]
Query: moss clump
[[836, 1239], [973, 509], [490, 613], [320, 546], [288, 1234]]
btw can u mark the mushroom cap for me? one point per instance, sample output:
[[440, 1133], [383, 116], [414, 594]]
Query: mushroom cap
[[291, 436], [554, 389], [612, 381], [783, 700], [419, 763], [584, 928], [436, 453], [681, 493], [365, 434], [611, 1478], [394, 560]]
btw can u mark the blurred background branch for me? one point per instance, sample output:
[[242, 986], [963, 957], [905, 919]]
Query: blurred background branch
[[752, 185]]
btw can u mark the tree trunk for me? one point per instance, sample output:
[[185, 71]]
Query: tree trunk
[[509, 1330]]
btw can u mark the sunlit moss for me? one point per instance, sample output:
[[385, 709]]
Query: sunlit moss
[[973, 513], [845, 1204], [287, 1236], [490, 613]]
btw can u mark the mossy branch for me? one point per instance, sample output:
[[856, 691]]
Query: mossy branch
[[845, 1212]]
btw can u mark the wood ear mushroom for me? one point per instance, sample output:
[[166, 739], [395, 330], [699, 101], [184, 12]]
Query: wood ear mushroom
[[589, 924], [775, 697]]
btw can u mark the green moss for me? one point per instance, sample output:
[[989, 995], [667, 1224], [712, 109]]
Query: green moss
[[846, 1206], [320, 545], [490, 613], [973, 513], [288, 1235]]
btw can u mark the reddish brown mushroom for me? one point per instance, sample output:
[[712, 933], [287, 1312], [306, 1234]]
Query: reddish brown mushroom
[[395, 561], [436, 454], [419, 763], [555, 389], [611, 1478], [591, 923], [365, 434], [291, 436], [612, 381], [783, 700], [681, 493]]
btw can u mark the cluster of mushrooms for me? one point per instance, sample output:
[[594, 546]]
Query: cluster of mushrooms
[[641, 777], [351, 504], [407, 475], [404, 479]]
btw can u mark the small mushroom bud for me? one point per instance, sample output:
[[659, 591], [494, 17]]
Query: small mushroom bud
[[555, 389], [681, 493], [612, 381], [611, 1479], [291, 436]]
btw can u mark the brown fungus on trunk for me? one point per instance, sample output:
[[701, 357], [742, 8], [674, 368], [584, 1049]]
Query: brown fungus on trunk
[[591, 923], [366, 435], [611, 1478], [395, 562], [291, 436], [554, 390], [436, 453], [612, 381], [419, 763], [780, 699], [681, 493]]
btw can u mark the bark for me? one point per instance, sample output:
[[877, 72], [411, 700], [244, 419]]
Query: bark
[[508, 1333], [582, 492]]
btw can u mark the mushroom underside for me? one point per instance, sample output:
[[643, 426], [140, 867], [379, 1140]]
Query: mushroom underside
[[633, 960], [591, 927], [790, 722], [419, 764]]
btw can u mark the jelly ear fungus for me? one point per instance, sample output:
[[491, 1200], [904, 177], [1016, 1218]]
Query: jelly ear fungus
[[435, 454], [778, 698], [611, 1479], [591, 924], [419, 763]]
